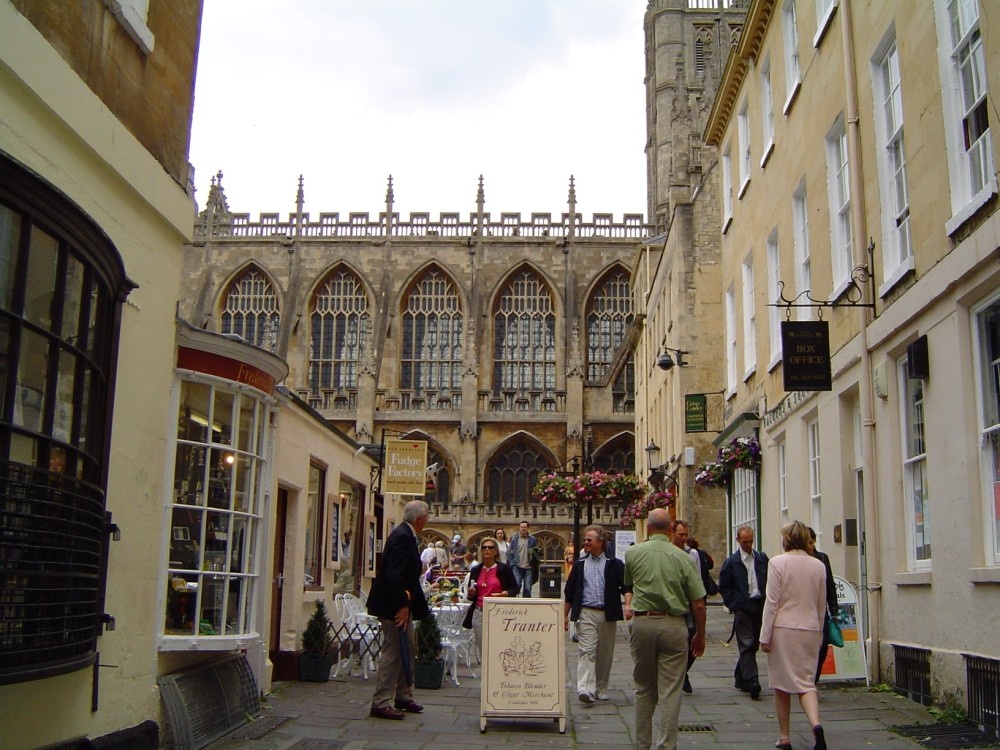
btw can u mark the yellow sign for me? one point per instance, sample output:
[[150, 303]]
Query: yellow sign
[[404, 470]]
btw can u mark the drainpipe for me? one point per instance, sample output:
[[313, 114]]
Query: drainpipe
[[859, 227]]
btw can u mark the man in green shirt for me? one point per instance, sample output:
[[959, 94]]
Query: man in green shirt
[[665, 587]]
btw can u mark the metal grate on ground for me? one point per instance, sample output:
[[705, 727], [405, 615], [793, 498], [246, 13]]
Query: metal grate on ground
[[947, 736], [695, 728]]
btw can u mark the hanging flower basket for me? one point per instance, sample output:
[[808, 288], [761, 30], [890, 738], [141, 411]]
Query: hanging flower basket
[[595, 486], [740, 453], [712, 474], [641, 508]]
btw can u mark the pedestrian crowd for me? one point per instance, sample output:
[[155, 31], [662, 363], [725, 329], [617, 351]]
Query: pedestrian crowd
[[660, 586]]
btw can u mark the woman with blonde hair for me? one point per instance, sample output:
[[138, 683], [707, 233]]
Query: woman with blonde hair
[[792, 630]]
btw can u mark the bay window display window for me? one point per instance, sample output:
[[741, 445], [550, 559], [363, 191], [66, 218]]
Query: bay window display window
[[216, 510], [988, 336]]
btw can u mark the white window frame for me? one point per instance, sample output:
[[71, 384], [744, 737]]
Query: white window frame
[[773, 294], [743, 126], [987, 368], [815, 483], [914, 468], [838, 177], [894, 191], [766, 110], [727, 187], [749, 319], [743, 509], [800, 246], [793, 71], [783, 483], [730, 311], [970, 171], [824, 15]]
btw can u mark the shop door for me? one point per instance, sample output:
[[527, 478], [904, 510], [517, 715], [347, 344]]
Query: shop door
[[278, 555]]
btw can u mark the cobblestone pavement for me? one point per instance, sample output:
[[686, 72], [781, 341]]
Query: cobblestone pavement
[[334, 715]]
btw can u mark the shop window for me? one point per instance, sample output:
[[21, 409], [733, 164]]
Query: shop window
[[61, 282], [218, 490]]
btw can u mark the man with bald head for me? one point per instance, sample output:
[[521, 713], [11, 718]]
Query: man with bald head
[[665, 586]]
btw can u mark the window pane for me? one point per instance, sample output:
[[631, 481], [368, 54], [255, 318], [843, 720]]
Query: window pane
[[193, 421], [222, 418], [32, 370], [10, 235], [41, 280], [244, 441], [62, 423], [72, 298]]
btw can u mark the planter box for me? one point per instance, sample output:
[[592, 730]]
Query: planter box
[[315, 667], [428, 674]]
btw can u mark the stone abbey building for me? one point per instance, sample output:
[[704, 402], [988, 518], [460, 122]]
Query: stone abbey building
[[504, 341]]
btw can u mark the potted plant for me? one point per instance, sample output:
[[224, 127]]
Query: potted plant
[[429, 669], [317, 647]]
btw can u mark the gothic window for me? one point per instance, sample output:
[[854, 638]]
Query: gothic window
[[524, 337], [432, 335], [251, 309], [617, 456], [609, 312], [512, 475], [340, 330]]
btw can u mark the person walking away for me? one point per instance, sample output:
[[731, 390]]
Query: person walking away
[[442, 554], [458, 550], [665, 586], [397, 599], [594, 591], [502, 545], [792, 630], [428, 557], [832, 606], [521, 555], [486, 578], [742, 583], [679, 537]]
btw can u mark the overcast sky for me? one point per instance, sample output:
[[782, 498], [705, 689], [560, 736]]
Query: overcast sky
[[433, 92]]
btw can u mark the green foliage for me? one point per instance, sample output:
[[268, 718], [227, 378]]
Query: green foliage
[[882, 687], [428, 638], [317, 638], [949, 711]]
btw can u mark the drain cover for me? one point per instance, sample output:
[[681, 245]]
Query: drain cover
[[695, 728], [255, 730], [947, 736]]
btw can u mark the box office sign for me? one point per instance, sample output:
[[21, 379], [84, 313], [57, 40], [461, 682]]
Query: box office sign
[[405, 465], [805, 350], [524, 662]]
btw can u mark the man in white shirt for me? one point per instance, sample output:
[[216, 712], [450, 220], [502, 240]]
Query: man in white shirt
[[742, 583]]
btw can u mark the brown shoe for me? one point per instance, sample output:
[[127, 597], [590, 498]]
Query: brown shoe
[[385, 712], [409, 705]]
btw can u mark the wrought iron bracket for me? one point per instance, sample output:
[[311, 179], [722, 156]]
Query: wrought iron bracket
[[852, 296]]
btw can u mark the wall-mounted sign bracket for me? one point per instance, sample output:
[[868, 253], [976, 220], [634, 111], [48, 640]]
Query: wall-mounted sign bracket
[[853, 295]]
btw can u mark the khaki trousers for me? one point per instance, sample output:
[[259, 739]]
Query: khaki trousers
[[596, 637], [659, 650], [391, 681]]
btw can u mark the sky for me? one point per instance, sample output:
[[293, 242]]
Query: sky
[[433, 92]]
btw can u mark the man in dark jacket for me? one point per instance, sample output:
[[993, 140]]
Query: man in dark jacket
[[742, 583], [594, 592], [397, 600], [831, 598]]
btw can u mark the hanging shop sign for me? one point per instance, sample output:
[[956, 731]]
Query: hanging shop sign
[[695, 412], [805, 349], [405, 467]]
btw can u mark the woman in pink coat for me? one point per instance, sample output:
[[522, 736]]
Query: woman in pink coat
[[792, 630]]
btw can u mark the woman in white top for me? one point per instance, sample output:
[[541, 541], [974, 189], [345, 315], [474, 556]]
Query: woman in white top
[[501, 536]]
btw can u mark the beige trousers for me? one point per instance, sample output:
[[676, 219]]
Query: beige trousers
[[659, 650], [391, 681], [596, 637]]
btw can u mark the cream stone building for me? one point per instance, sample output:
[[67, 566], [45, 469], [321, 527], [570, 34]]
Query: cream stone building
[[857, 146]]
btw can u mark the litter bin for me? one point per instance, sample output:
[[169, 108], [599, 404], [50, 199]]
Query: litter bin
[[550, 580]]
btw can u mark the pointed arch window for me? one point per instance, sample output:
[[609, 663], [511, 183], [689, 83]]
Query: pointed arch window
[[432, 335], [512, 475], [251, 310], [524, 337], [616, 456], [609, 311], [340, 326]]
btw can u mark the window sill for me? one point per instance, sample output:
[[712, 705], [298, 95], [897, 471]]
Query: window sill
[[768, 150], [792, 96], [913, 578], [743, 188], [897, 275], [133, 23], [206, 642], [965, 213], [726, 223], [984, 575], [775, 361], [750, 372]]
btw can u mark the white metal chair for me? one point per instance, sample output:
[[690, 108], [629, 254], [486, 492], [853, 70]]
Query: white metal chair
[[362, 630], [456, 641]]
